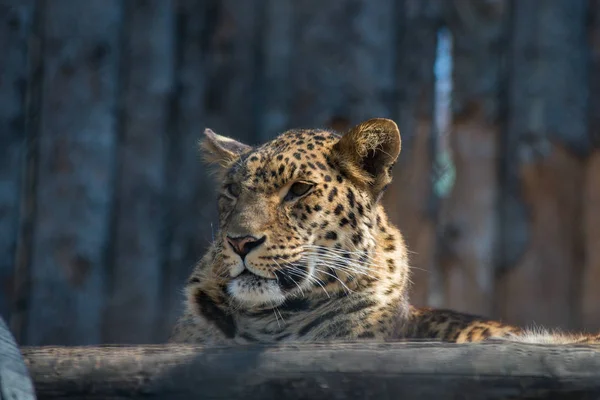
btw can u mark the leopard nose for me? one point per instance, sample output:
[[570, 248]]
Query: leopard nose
[[243, 245]]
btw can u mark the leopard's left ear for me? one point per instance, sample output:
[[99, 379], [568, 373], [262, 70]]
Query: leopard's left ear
[[368, 152]]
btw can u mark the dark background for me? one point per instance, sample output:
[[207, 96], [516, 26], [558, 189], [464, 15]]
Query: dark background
[[105, 207]]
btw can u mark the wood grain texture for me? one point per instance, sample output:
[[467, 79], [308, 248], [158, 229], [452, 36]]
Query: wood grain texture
[[20, 290], [594, 70], [343, 62], [233, 100], [468, 216], [408, 200], [277, 44], [16, 21], [73, 196], [590, 295], [318, 371], [135, 271], [554, 256], [591, 196], [546, 138], [190, 201]]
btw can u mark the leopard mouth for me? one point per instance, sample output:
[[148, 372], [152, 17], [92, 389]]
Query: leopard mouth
[[284, 280], [250, 289], [247, 274]]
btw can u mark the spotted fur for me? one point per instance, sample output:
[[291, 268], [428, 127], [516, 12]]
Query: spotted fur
[[305, 251]]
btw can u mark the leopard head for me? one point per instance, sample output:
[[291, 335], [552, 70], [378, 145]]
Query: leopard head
[[299, 216]]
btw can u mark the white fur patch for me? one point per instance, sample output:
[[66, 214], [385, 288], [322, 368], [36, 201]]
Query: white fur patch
[[255, 290], [540, 336], [236, 269], [245, 289]]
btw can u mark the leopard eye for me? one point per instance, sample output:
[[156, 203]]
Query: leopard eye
[[233, 189], [298, 189]]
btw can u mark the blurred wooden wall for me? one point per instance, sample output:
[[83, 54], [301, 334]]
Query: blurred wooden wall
[[105, 207]]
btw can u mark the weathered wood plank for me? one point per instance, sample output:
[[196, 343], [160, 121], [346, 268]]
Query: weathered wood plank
[[469, 214], [27, 208], [233, 88], [591, 198], [319, 371], [278, 49], [594, 68], [133, 297], [191, 209], [408, 201], [342, 62], [543, 173], [16, 20], [76, 155], [590, 305], [591, 225]]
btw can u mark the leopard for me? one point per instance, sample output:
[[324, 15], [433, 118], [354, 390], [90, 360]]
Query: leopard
[[306, 253]]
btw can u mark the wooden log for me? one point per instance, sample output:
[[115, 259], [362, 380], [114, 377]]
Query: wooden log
[[543, 168], [73, 197], [408, 200], [278, 47], [468, 214], [232, 67], [594, 70], [18, 289], [590, 311], [135, 273], [317, 371], [190, 210], [590, 295], [347, 83]]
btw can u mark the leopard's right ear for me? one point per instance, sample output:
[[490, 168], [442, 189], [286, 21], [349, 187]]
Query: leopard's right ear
[[221, 150]]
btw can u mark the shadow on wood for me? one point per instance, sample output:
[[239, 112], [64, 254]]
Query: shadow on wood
[[318, 371]]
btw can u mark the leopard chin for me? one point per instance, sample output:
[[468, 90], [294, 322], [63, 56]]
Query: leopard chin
[[251, 290]]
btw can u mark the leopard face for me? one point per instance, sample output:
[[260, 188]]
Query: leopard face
[[298, 215]]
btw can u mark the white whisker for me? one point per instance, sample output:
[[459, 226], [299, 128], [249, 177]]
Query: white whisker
[[336, 278], [310, 278]]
